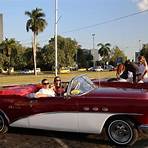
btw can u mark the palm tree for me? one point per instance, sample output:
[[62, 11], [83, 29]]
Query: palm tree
[[104, 50], [36, 23]]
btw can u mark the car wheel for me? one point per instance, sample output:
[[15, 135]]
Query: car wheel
[[3, 125], [122, 132]]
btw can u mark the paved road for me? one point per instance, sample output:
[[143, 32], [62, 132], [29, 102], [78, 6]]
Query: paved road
[[27, 138]]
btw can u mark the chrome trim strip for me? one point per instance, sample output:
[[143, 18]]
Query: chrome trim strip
[[144, 127]]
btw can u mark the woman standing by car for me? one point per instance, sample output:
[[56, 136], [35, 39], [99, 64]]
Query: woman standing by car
[[143, 69]]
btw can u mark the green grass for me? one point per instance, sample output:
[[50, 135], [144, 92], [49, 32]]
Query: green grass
[[27, 78]]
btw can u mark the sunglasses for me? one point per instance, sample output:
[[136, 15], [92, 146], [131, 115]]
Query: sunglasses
[[45, 83]]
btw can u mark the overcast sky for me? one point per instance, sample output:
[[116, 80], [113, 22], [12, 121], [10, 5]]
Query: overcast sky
[[119, 22]]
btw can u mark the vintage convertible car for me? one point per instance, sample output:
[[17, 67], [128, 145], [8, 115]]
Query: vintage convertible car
[[83, 108]]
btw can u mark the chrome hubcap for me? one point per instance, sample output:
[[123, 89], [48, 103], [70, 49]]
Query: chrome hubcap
[[120, 132]]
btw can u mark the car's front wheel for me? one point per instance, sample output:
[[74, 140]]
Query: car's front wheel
[[3, 125], [121, 131]]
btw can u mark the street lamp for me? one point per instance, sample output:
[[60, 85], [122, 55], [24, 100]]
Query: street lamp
[[93, 35], [56, 28]]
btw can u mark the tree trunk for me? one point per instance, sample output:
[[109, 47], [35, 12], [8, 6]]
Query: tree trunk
[[34, 53]]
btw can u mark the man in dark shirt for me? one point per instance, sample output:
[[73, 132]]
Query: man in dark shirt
[[131, 67]]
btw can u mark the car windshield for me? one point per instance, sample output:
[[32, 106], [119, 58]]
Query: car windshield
[[80, 85]]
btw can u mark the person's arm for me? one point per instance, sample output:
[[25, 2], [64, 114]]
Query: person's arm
[[144, 73], [39, 95]]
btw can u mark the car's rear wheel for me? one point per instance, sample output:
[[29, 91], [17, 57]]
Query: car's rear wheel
[[121, 131], [3, 125]]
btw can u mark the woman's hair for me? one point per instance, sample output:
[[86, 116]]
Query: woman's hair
[[120, 69], [56, 78], [43, 80], [142, 59]]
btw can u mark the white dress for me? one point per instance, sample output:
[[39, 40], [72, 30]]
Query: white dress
[[49, 92], [142, 69]]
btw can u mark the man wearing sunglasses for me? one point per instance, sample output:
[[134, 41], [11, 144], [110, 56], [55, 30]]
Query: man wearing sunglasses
[[47, 90]]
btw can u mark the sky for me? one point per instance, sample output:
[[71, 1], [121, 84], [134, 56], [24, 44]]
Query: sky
[[117, 22]]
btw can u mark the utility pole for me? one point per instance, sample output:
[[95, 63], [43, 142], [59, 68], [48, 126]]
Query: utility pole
[[56, 28], [140, 46], [93, 35]]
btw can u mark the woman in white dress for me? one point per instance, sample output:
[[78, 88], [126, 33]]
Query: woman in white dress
[[46, 90], [143, 69]]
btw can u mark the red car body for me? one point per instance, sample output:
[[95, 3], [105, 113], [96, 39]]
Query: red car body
[[118, 84], [83, 108]]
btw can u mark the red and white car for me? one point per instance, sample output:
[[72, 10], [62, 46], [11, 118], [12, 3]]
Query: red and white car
[[83, 108]]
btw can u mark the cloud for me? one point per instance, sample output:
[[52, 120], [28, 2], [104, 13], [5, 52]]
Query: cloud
[[142, 4]]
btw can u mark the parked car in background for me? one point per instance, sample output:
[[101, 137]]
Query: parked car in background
[[83, 108], [65, 70], [26, 71], [97, 68], [29, 71], [109, 67], [38, 70], [82, 69]]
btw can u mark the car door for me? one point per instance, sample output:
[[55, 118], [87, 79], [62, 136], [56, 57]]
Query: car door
[[19, 110], [54, 113]]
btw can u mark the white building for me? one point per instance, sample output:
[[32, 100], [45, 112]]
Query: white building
[[96, 55]]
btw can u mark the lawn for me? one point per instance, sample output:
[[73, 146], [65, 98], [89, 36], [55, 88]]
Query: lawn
[[30, 78]]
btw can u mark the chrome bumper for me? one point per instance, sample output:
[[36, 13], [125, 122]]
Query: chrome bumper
[[144, 128]]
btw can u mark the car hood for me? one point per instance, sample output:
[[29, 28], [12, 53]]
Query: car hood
[[119, 93]]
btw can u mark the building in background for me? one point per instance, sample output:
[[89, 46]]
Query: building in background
[[96, 56], [1, 27]]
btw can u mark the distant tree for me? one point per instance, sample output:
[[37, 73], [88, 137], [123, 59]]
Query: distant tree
[[104, 51], [11, 54], [27, 58], [8, 49], [84, 58], [46, 57], [116, 52], [144, 51], [36, 23], [67, 49]]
